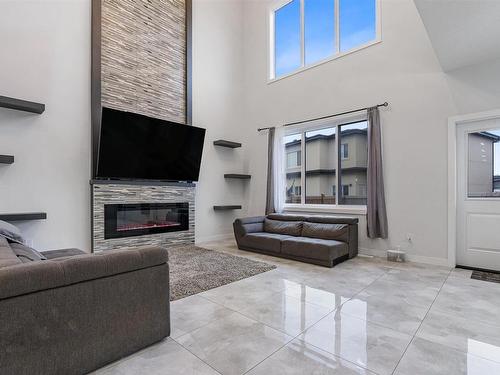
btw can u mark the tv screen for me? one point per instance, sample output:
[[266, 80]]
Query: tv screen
[[134, 146]]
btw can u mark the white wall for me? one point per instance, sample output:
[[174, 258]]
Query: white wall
[[45, 57], [476, 88], [217, 106], [402, 70]]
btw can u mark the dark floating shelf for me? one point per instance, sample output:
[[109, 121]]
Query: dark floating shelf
[[228, 144], [238, 176], [24, 216], [6, 159], [21, 105], [227, 208]]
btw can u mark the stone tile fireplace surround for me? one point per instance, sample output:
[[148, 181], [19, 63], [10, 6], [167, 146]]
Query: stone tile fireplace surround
[[140, 64], [115, 200]]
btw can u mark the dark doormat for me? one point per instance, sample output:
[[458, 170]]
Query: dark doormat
[[194, 270], [486, 276]]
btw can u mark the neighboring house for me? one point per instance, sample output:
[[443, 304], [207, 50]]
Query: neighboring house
[[482, 181], [496, 183], [320, 159]]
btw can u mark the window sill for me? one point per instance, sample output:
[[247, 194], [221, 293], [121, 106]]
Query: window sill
[[351, 210]]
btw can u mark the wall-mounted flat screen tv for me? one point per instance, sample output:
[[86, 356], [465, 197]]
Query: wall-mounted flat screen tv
[[137, 147]]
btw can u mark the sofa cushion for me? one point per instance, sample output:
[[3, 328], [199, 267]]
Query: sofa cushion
[[7, 256], [264, 241], [26, 254], [287, 217], [332, 219], [314, 248], [11, 232], [326, 231], [291, 228], [251, 220]]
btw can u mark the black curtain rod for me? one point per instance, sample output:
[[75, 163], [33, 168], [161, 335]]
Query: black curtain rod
[[325, 117]]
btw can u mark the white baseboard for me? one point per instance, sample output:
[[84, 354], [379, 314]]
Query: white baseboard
[[215, 237], [409, 257], [428, 260], [372, 252]]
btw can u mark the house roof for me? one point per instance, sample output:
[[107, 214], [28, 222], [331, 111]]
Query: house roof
[[495, 138], [318, 137]]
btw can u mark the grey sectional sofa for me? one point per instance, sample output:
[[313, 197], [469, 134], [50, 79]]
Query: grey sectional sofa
[[73, 314], [322, 240]]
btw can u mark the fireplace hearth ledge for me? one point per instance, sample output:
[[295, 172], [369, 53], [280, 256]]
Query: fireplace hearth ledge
[[142, 182]]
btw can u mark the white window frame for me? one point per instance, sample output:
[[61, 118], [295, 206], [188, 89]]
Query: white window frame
[[323, 208], [277, 4]]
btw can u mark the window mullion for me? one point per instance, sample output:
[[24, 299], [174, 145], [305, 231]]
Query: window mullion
[[337, 27], [302, 35], [272, 44], [303, 168], [337, 167]]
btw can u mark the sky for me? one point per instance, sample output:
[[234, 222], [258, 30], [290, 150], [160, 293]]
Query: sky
[[357, 27], [287, 38]]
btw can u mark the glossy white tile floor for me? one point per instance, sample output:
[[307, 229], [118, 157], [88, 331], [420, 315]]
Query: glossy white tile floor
[[364, 316]]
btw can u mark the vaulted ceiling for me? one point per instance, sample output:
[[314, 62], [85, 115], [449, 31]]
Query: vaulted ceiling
[[462, 32]]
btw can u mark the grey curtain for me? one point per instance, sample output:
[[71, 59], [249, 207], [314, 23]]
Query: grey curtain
[[376, 216], [270, 175]]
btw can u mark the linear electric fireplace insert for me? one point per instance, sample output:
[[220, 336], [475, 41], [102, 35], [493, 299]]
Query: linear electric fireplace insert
[[138, 219]]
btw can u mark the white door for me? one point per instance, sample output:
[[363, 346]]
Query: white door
[[478, 194]]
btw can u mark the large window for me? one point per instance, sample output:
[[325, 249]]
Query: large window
[[335, 155], [357, 23], [307, 32], [353, 164], [293, 149], [287, 40], [321, 161]]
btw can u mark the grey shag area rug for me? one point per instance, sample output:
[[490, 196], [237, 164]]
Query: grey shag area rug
[[194, 269]]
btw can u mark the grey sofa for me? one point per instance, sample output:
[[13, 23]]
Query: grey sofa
[[74, 314], [322, 240]]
